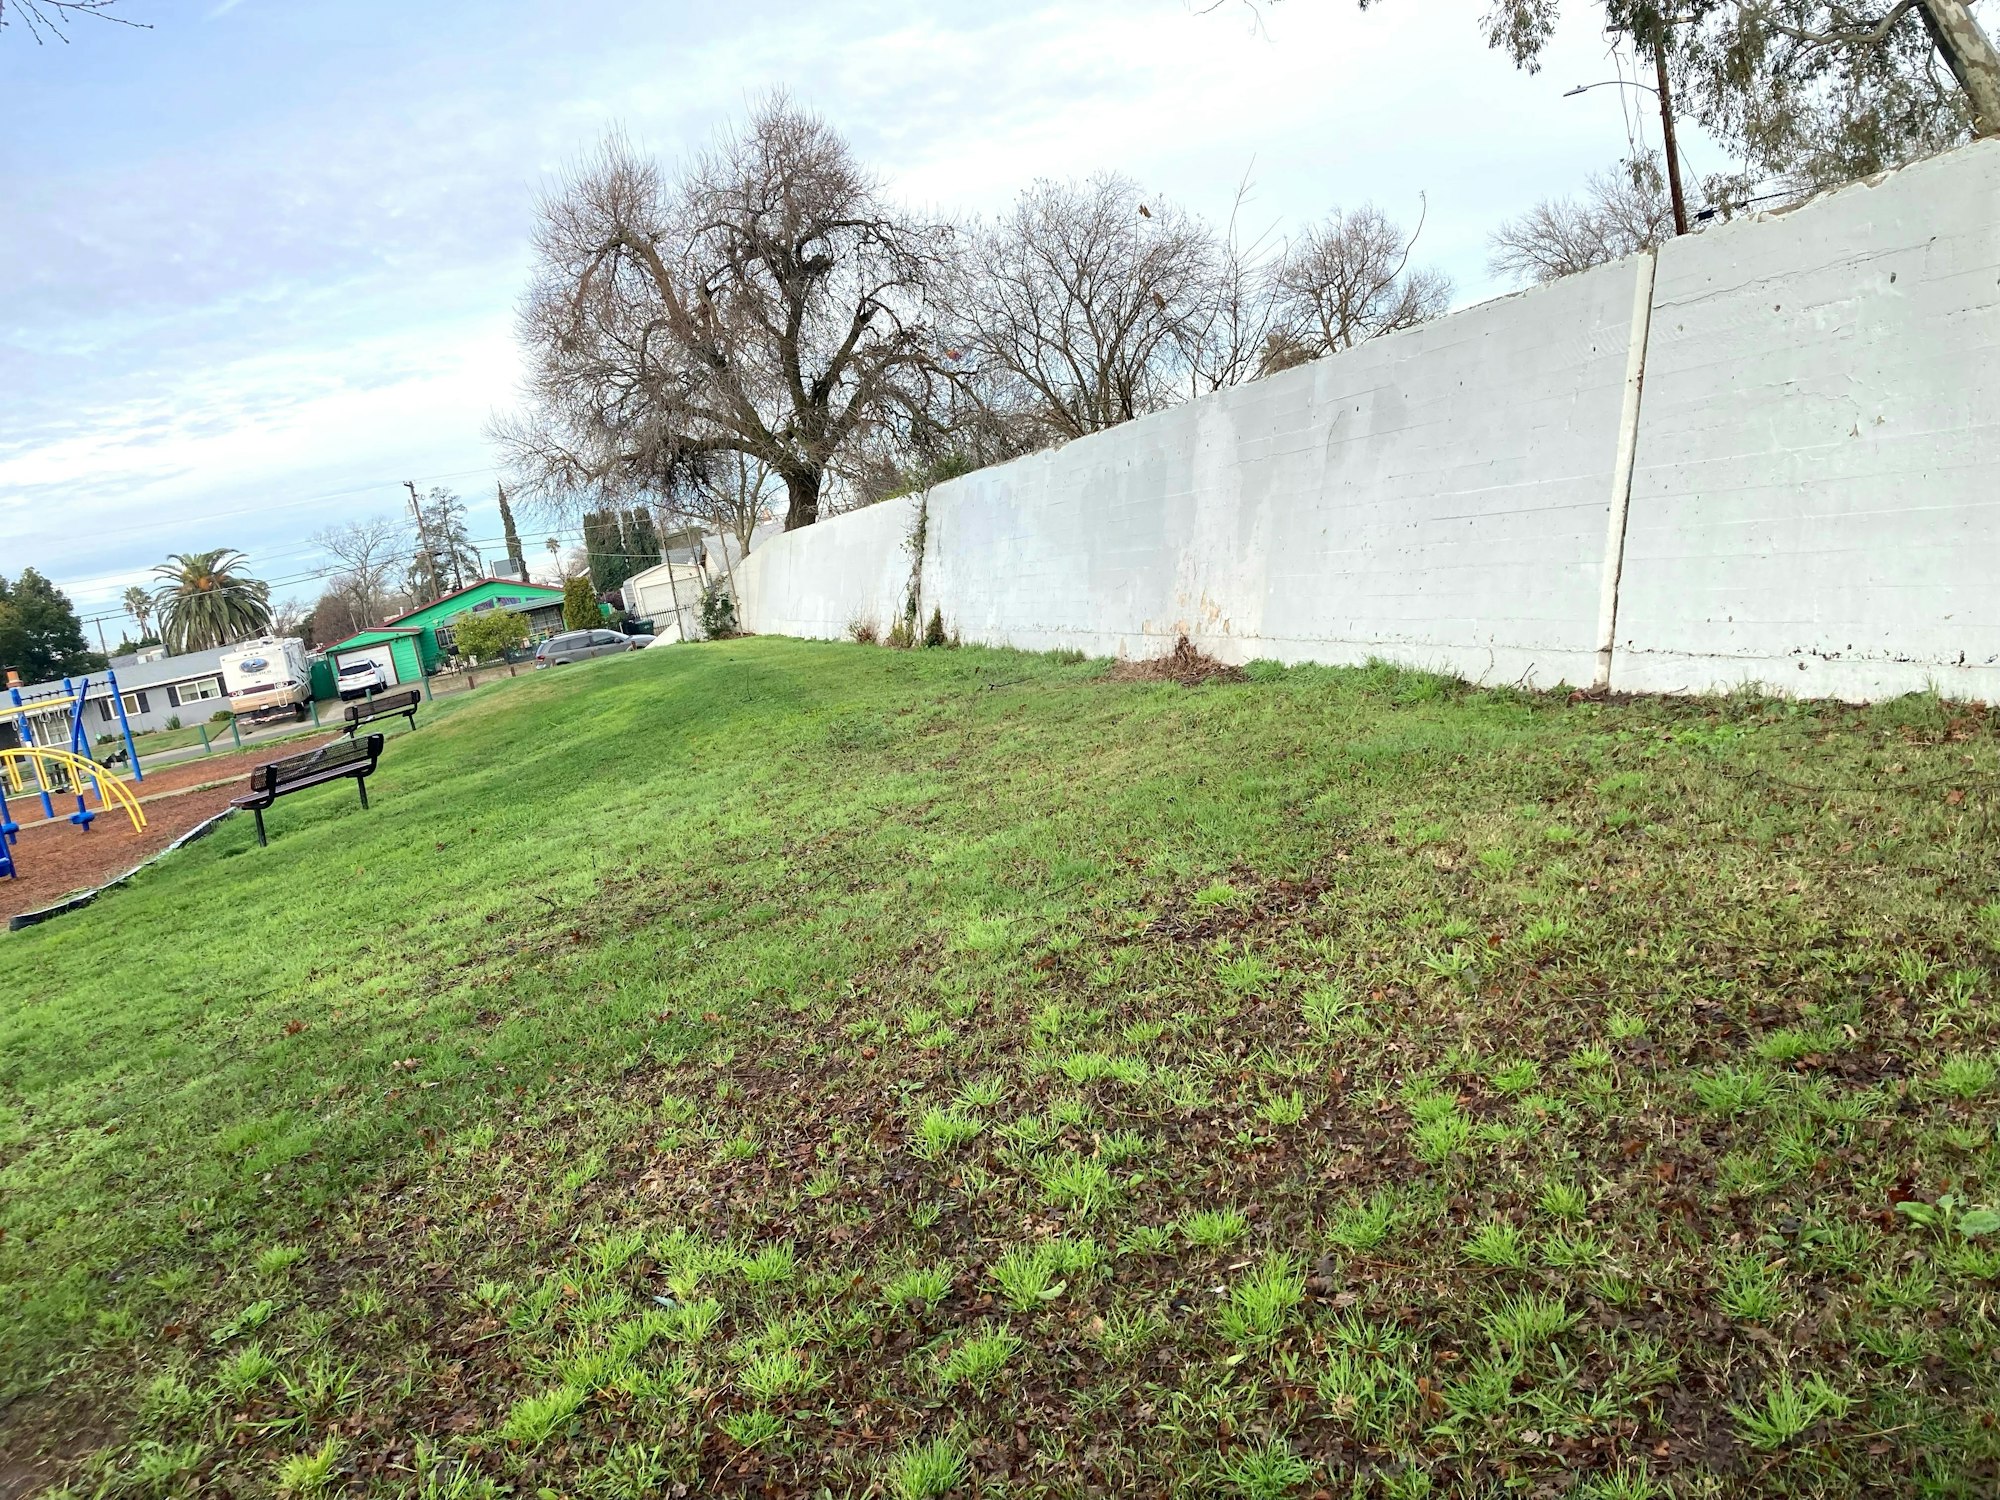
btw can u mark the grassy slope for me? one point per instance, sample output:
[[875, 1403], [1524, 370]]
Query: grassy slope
[[1334, 1074]]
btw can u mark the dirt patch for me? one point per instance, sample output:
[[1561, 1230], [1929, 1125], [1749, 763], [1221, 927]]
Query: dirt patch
[[58, 859], [176, 775], [1184, 664]]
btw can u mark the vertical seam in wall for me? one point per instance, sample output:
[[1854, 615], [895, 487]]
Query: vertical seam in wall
[[1622, 466]]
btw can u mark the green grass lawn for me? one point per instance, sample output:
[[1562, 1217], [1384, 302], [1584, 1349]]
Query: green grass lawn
[[219, 739], [794, 1069], [168, 739]]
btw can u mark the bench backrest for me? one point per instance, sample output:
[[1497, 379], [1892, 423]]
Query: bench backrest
[[273, 776], [380, 704]]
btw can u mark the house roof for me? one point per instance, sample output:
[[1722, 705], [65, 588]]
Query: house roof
[[133, 675], [479, 583], [375, 637]]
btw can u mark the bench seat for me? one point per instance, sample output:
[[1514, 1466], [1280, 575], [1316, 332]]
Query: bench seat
[[353, 759], [381, 706]]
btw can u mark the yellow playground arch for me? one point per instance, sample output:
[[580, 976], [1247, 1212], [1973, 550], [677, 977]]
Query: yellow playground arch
[[77, 771]]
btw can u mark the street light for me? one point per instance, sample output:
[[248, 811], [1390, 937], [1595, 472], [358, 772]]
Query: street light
[[1666, 127], [1608, 83]]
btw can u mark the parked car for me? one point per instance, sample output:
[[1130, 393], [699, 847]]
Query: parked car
[[581, 645], [357, 679]]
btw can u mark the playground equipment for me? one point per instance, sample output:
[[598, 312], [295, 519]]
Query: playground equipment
[[53, 768], [65, 772]]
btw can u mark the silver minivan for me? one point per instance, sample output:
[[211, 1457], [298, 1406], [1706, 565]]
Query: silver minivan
[[581, 645]]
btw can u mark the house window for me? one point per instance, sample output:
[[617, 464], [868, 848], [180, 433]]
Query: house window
[[447, 637], [135, 703], [200, 689]]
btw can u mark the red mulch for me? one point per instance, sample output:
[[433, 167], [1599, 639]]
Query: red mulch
[[170, 775], [1184, 664], [59, 859]]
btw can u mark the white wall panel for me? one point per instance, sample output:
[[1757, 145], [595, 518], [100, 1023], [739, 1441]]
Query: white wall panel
[[1816, 504]]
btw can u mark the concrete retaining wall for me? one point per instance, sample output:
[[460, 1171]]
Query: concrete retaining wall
[[818, 581], [1804, 411], [1816, 506]]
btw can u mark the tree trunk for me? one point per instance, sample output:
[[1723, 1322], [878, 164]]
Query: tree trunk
[[801, 499], [1971, 57]]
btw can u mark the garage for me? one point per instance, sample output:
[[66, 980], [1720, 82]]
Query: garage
[[406, 654], [382, 656]]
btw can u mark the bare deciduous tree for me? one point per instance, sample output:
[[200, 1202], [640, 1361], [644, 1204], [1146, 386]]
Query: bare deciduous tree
[[1349, 279], [1084, 303], [290, 617], [50, 20], [729, 497], [1620, 211], [768, 302], [1231, 341], [369, 555], [335, 617]]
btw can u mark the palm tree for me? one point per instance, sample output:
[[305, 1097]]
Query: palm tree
[[206, 602], [139, 605]]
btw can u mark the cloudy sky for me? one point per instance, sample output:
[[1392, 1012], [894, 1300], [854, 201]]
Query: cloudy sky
[[259, 261]]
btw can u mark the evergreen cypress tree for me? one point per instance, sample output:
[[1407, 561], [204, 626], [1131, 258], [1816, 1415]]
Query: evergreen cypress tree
[[645, 540], [600, 548], [628, 562], [517, 556]]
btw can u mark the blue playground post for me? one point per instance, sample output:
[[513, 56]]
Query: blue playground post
[[124, 725], [28, 741], [83, 815], [8, 828]]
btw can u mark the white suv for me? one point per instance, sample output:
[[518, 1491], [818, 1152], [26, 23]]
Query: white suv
[[357, 679]]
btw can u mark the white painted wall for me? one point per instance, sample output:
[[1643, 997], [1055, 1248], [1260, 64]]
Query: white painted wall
[[1438, 496], [815, 582], [1814, 481], [1816, 503]]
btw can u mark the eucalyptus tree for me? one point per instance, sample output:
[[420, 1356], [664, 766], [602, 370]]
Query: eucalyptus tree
[[1809, 92]]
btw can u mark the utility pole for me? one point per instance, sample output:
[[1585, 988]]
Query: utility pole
[[1667, 135], [424, 541]]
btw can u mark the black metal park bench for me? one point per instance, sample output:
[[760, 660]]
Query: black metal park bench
[[354, 758], [381, 706]]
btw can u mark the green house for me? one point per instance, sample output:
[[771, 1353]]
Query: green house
[[409, 647], [538, 605]]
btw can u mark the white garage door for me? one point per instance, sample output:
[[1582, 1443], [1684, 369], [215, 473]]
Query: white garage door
[[380, 655]]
